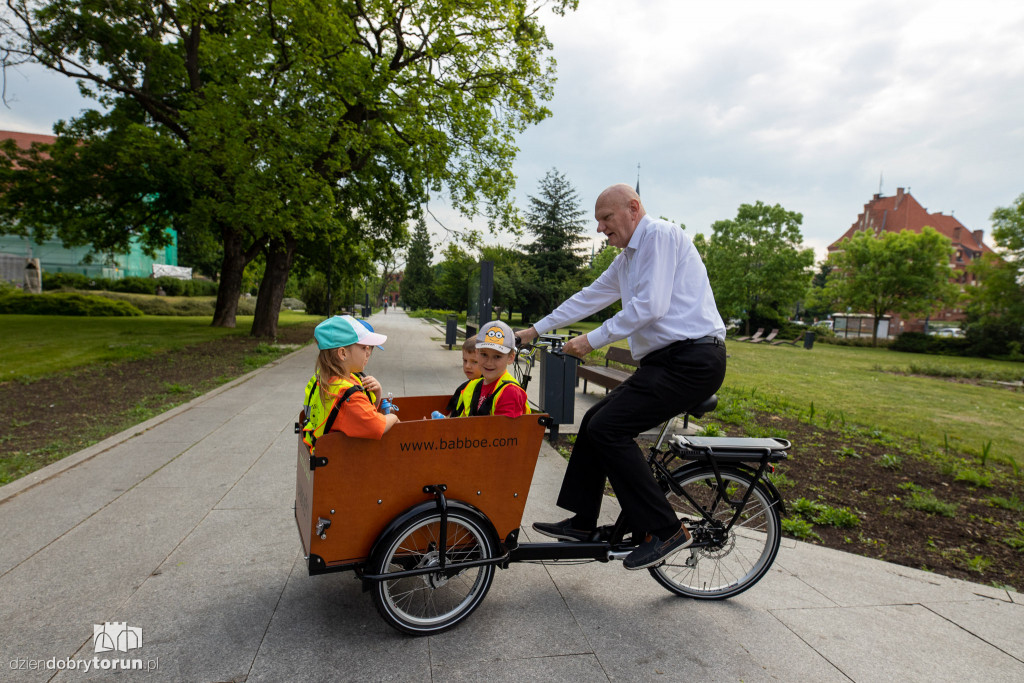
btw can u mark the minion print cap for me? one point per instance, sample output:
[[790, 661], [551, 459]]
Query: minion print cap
[[496, 335]]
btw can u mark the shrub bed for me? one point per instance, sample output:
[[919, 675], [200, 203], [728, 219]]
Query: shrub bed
[[159, 305], [64, 303], [135, 285]]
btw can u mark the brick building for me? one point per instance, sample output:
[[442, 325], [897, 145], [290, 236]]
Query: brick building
[[903, 212]]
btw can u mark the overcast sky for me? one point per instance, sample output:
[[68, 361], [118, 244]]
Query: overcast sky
[[804, 104]]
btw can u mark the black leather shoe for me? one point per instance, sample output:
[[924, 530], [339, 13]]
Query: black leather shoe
[[653, 551], [562, 530]]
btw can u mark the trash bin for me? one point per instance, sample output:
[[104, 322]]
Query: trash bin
[[808, 340], [557, 388], [450, 331], [366, 311]]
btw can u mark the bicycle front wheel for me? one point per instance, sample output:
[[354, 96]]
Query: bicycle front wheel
[[433, 602], [724, 560]]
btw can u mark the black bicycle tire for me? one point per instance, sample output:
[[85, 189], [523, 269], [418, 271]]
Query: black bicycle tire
[[668, 574], [381, 562]]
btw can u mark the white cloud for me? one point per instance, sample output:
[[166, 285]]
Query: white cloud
[[798, 103]]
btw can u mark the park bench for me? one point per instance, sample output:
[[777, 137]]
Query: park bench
[[605, 375]]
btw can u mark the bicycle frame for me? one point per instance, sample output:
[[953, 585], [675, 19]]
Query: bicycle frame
[[701, 457], [609, 541]]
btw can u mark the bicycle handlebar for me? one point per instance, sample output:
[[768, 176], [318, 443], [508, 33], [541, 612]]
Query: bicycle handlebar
[[552, 342]]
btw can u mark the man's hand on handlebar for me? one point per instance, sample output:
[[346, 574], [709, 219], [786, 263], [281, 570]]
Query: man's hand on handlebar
[[578, 346], [524, 337]]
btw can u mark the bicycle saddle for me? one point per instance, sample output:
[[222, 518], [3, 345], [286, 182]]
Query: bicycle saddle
[[705, 406]]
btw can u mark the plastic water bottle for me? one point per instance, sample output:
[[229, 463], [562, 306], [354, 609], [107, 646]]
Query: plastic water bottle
[[386, 407], [436, 414]]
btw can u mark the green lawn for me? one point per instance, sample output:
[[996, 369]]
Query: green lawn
[[857, 385], [35, 345]]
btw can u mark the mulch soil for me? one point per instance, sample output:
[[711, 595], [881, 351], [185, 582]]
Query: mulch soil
[[45, 420]]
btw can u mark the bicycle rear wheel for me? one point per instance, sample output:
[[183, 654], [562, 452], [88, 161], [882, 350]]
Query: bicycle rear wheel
[[431, 603], [722, 562]]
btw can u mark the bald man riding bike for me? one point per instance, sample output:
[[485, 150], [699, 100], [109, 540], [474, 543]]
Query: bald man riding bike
[[675, 333]]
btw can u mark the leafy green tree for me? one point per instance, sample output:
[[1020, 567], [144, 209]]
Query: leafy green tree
[[555, 219], [452, 278], [904, 272], [274, 126], [418, 281], [515, 279], [995, 311], [817, 302], [756, 265], [389, 260]]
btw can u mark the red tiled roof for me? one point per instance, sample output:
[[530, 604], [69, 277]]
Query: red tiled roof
[[903, 212], [25, 140]]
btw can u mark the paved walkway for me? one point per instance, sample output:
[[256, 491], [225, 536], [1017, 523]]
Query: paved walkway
[[182, 527]]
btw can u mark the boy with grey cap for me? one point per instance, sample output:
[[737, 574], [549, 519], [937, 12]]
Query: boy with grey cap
[[496, 392]]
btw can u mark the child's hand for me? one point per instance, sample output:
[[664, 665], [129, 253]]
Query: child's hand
[[371, 384]]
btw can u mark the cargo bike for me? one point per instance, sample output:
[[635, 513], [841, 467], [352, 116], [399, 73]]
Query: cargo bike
[[424, 516]]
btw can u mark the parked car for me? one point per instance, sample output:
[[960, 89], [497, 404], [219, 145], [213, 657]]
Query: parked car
[[948, 332]]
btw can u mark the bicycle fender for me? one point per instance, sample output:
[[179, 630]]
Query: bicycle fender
[[745, 469], [431, 506]]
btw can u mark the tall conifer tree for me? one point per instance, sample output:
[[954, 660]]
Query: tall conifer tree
[[556, 221], [418, 282]]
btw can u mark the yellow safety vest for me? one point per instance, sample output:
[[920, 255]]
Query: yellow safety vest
[[320, 417], [470, 396]]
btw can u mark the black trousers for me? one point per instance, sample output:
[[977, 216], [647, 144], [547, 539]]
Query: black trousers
[[668, 382]]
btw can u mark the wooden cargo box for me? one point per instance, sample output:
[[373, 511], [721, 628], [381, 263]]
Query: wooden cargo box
[[487, 462]]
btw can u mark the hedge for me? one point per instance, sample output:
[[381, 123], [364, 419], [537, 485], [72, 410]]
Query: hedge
[[64, 303], [158, 305], [919, 342], [134, 285]]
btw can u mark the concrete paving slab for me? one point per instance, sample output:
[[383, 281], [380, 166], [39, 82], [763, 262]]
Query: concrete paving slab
[[899, 642], [523, 617], [325, 629], [1000, 624], [639, 629], [851, 580], [49, 602], [225, 580], [216, 461], [261, 485], [565, 669], [38, 515]]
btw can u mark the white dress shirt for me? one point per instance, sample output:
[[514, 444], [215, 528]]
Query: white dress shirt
[[664, 289]]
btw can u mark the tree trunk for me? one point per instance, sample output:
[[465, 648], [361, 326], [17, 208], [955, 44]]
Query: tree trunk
[[236, 257], [280, 254]]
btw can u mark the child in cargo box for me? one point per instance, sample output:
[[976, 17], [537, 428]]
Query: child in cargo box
[[338, 397]]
